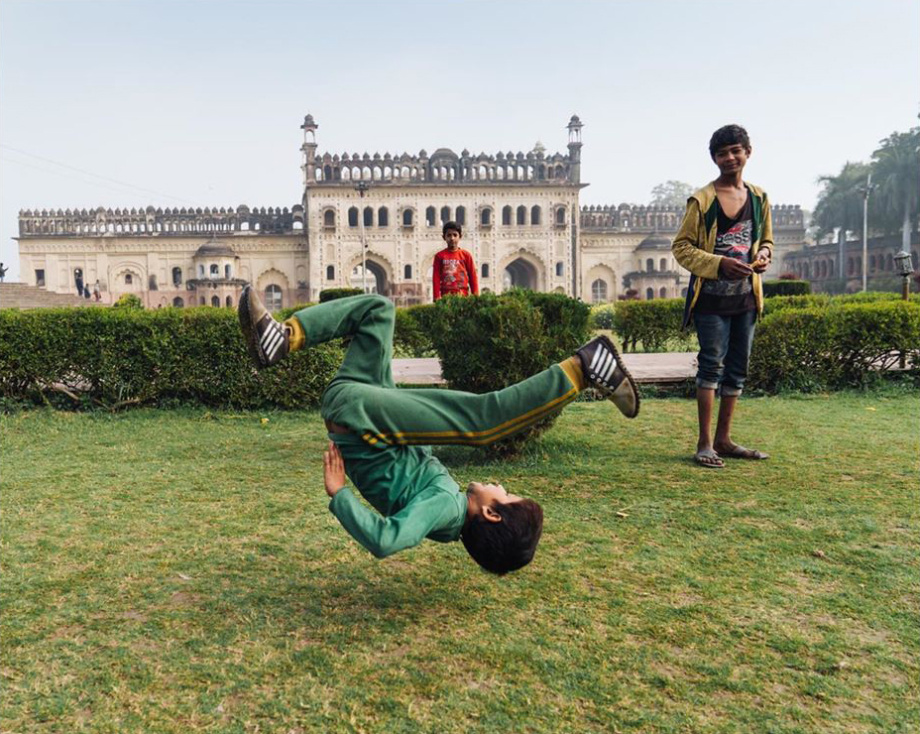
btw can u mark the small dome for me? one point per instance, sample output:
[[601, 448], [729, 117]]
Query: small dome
[[212, 248], [444, 153], [655, 241]]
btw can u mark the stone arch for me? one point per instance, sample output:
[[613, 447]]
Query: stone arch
[[522, 269], [117, 275], [270, 277], [605, 274], [379, 273]]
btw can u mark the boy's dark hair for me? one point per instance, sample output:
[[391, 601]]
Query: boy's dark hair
[[451, 225], [508, 545], [728, 135]]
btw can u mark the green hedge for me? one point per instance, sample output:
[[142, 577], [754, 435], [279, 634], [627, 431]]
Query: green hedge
[[773, 288], [412, 335], [488, 342], [833, 347], [116, 357], [330, 294], [655, 324]]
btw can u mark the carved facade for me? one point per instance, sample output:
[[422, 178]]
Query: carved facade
[[520, 213]]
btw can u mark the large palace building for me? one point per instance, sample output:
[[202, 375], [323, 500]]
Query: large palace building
[[374, 222]]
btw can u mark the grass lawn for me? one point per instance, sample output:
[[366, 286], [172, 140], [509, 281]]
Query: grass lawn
[[179, 572]]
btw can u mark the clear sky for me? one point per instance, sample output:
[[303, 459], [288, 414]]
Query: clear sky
[[125, 103]]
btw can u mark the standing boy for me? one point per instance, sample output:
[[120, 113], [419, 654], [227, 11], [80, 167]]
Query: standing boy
[[454, 271], [726, 242], [380, 436]]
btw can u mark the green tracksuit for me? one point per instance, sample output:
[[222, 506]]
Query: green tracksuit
[[387, 454]]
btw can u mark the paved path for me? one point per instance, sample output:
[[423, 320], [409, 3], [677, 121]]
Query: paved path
[[649, 368]]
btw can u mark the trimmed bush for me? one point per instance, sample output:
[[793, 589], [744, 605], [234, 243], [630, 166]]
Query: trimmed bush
[[489, 342], [786, 288], [413, 330], [834, 347], [116, 357], [656, 324], [602, 316], [333, 293]]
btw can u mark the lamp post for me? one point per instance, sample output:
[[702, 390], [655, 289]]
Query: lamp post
[[361, 187], [865, 191], [905, 269]]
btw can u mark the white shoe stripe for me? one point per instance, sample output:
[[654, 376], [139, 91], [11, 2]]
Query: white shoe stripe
[[270, 333], [271, 341], [270, 355], [594, 360], [611, 368], [604, 368]]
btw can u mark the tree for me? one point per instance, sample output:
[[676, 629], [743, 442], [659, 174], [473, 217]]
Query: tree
[[672, 193], [840, 203], [896, 170]]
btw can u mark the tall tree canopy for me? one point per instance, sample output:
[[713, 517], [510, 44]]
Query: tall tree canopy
[[672, 193]]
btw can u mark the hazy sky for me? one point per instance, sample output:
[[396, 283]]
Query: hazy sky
[[170, 103]]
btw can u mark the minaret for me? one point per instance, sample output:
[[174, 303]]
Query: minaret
[[574, 127], [309, 150]]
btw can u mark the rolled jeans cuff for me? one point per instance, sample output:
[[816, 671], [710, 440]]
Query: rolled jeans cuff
[[729, 391], [706, 384]]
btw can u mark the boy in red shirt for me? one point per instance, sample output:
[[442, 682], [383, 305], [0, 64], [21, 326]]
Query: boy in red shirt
[[454, 271]]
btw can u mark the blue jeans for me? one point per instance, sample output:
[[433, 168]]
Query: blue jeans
[[725, 349]]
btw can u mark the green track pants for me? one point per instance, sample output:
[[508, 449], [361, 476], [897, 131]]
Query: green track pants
[[363, 397]]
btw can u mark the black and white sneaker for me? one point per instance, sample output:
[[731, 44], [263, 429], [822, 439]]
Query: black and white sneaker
[[604, 370], [267, 340]]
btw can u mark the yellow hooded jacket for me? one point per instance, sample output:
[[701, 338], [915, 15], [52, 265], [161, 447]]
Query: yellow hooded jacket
[[695, 241]]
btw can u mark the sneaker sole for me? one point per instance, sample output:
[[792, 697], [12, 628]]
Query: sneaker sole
[[249, 333], [629, 378]]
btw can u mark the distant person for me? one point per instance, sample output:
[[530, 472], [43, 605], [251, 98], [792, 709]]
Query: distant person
[[3, 271], [454, 270], [97, 291], [726, 242]]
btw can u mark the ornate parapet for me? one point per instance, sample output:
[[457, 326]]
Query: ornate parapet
[[640, 218], [156, 221], [442, 167]]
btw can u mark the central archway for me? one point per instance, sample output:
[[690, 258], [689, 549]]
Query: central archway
[[376, 277], [520, 273]]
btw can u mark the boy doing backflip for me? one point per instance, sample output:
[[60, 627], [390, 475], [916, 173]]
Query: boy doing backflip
[[380, 436], [453, 272], [726, 242]]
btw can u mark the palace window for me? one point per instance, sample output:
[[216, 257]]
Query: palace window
[[329, 219], [215, 270], [663, 292], [560, 215], [649, 294], [178, 302], [407, 272], [522, 215], [461, 215], [229, 302], [485, 217], [368, 216], [430, 215], [227, 271], [599, 291], [650, 265], [215, 301], [663, 264], [330, 272], [273, 300], [40, 278], [560, 269], [485, 270], [407, 218], [353, 216], [506, 215], [177, 277], [383, 217], [445, 214], [128, 279], [535, 214]]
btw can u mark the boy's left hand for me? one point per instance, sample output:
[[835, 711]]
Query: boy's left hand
[[763, 261], [333, 470]]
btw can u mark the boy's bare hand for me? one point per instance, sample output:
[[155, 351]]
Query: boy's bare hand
[[734, 269], [762, 262], [333, 469]]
